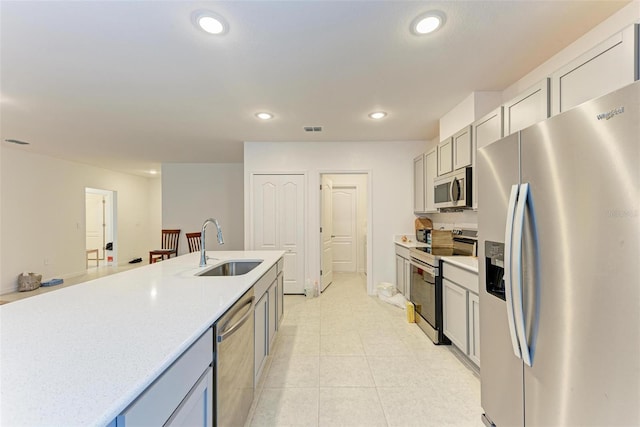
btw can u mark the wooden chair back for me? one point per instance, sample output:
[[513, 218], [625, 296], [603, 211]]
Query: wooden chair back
[[193, 239], [170, 239]]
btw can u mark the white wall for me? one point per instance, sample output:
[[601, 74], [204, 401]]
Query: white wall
[[389, 165], [43, 215], [193, 192], [359, 181]]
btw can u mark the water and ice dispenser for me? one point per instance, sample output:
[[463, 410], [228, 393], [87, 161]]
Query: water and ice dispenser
[[494, 262]]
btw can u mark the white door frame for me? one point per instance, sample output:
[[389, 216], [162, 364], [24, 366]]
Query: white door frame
[[369, 255]]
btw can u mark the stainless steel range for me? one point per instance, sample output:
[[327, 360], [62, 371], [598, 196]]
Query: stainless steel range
[[426, 281]]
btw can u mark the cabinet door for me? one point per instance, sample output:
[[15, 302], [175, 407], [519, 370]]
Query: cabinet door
[[418, 184], [474, 328], [445, 157], [430, 173], [261, 333], [197, 408], [462, 148], [530, 107], [407, 279], [280, 298], [400, 274], [272, 306], [603, 69], [485, 131], [454, 300]]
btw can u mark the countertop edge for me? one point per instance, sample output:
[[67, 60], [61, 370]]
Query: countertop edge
[[458, 262]]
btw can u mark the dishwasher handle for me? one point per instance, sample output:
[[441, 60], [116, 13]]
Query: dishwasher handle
[[228, 331]]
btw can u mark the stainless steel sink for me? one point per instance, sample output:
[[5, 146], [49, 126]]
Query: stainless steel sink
[[231, 268]]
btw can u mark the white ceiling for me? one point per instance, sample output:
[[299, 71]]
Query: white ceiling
[[128, 85]]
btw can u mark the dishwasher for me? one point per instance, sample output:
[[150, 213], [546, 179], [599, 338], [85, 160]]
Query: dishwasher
[[234, 355]]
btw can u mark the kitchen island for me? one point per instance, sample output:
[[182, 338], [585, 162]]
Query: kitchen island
[[82, 354]]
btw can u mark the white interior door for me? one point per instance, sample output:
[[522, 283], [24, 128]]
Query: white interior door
[[344, 204], [326, 232], [265, 212], [278, 223], [95, 222], [291, 212]]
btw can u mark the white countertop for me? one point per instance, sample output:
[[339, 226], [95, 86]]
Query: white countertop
[[410, 243], [467, 262], [82, 354]]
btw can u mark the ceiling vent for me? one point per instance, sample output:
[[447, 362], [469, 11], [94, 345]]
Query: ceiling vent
[[313, 128]]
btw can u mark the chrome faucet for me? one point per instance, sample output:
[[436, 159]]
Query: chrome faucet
[[203, 256]]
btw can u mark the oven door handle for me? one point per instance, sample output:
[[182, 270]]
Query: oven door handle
[[427, 268]]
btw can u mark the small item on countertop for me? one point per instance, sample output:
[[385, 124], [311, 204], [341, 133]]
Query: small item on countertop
[[404, 239], [52, 282], [29, 281]]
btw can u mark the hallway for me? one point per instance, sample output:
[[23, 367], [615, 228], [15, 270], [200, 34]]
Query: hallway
[[349, 359]]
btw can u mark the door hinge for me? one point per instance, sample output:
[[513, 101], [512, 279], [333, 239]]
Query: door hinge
[[321, 186], [321, 272], [321, 229]]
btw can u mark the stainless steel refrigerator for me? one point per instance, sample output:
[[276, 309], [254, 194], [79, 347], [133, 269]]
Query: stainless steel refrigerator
[[559, 258]]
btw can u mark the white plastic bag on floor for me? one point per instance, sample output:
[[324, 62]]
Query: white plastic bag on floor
[[398, 300]]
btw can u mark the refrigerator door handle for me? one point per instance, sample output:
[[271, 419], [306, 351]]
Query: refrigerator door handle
[[508, 247], [517, 273]]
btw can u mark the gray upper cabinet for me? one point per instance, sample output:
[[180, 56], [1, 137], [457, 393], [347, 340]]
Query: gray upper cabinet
[[485, 131], [425, 169], [462, 148], [607, 67], [430, 173], [445, 156], [418, 184], [529, 107]]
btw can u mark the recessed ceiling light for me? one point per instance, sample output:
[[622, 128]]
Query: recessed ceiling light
[[264, 116], [427, 23], [377, 115], [210, 22], [15, 141]]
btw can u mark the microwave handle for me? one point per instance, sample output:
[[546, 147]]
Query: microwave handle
[[454, 183]]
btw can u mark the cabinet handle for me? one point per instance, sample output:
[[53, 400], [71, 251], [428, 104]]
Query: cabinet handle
[[229, 331]]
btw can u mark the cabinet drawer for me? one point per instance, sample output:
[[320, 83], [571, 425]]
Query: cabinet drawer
[[156, 404], [402, 251], [265, 281], [460, 276]]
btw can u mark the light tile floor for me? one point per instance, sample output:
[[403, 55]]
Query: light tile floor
[[349, 359]]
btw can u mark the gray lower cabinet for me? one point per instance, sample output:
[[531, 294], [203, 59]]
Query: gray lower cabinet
[[461, 310], [474, 328], [181, 396], [454, 302], [261, 344], [400, 274], [268, 313], [403, 271]]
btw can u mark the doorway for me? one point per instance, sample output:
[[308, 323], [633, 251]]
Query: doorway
[[343, 218], [100, 225]]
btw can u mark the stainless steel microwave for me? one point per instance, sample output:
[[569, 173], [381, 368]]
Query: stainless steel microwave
[[453, 190]]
